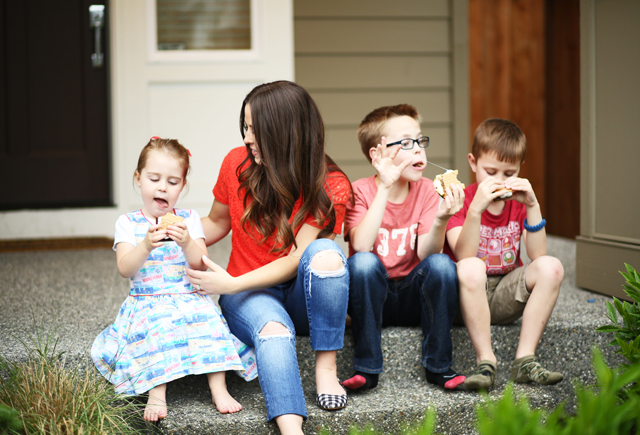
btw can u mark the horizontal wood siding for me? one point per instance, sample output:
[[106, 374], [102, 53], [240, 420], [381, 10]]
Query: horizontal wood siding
[[371, 35], [371, 8], [371, 72], [355, 56]]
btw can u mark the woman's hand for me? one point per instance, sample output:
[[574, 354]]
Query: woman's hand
[[216, 282]]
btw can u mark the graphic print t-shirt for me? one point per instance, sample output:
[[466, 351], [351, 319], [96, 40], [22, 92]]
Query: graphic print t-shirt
[[396, 244], [499, 245]]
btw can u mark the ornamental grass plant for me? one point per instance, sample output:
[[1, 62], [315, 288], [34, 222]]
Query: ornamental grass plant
[[47, 394]]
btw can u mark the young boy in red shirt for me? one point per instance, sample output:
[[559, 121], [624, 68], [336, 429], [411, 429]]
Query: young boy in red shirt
[[396, 230], [501, 210]]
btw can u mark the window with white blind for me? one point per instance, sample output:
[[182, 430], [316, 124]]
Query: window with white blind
[[202, 30]]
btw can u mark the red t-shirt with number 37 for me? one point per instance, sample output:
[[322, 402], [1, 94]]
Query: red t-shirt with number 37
[[396, 244]]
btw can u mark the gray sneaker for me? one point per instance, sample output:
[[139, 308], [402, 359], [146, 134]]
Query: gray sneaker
[[483, 378], [527, 369]]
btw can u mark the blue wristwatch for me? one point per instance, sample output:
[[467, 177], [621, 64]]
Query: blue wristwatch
[[534, 228]]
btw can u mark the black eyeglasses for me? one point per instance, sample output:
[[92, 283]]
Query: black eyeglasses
[[407, 144]]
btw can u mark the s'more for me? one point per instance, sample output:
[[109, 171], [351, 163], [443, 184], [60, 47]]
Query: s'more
[[442, 181]]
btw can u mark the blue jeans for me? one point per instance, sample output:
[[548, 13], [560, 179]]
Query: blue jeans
[[428, 297], [314, 303]]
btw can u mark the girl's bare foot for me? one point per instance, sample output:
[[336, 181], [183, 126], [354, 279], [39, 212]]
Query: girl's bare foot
[[220, 396], [225, 403], [156, 408]]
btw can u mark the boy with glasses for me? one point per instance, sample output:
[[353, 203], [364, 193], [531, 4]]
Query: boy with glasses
[[396, 229], [499, 211]]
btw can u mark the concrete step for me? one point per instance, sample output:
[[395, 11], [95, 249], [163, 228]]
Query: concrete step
[[78, 293], [403, 393]]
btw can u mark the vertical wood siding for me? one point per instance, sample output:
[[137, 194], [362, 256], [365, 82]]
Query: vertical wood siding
[[524, 66], [507, 66]]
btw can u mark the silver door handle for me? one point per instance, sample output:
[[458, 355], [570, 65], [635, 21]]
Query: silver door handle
[[96, 22]]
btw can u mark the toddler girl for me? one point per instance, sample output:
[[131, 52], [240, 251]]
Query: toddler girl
[[165, 330]]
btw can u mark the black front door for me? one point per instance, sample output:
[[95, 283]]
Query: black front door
[[54, 111]]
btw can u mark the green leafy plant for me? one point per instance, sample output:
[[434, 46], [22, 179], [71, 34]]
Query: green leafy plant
[[425, 427], [600, 409], [627, 334], [604, 409], [611, 407], [512, 415]]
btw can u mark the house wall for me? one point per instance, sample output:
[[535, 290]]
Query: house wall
[[610, 100], [194, 100], [354, 56]]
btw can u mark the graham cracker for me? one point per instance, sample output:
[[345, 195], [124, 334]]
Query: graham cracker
[[170, 219]]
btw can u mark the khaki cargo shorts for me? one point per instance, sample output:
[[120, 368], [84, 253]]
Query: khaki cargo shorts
[[507, 296]]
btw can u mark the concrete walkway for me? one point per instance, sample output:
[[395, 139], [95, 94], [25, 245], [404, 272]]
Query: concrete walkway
[[79, 293]]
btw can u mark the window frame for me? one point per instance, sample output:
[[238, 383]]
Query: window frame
[[204, 56]]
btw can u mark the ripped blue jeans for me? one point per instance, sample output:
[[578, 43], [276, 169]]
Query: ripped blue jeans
[[314, 303]]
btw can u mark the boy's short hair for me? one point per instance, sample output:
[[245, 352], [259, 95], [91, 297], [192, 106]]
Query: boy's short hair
[[500, 137], [371, 128]]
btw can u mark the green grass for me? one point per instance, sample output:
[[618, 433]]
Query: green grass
[[46, 395]]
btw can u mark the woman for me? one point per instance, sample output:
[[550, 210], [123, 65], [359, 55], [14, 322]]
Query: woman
[[284, 200]]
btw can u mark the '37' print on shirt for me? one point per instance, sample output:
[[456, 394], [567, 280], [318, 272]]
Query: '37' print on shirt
[[399, 237]]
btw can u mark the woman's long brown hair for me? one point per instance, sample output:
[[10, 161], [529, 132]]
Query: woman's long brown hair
[[289, 132]]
